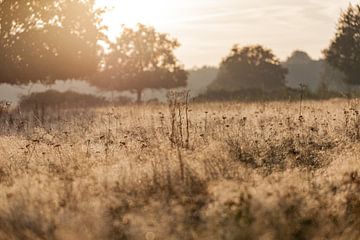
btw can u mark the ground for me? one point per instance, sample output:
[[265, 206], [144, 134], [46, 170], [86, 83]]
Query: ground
[[267, 170]]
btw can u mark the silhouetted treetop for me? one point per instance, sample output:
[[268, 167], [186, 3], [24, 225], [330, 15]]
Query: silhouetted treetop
[[141, 58], [44, 41], [250, 67], [299, 57], [344, 50]]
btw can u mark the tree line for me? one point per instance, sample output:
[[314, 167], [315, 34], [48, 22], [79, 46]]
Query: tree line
[[45, 41], [255, 67]]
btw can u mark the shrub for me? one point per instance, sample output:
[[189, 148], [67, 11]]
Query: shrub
[[54, 99]]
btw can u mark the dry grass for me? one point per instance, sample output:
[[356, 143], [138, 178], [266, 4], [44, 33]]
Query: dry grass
[[227, 171]]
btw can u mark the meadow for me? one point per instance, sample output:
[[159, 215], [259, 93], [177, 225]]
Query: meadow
[[182, 170]]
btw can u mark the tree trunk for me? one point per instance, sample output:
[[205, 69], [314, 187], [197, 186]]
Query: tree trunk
[[138, 95]]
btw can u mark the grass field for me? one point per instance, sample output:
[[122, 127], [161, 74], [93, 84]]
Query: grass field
[[270, 170]]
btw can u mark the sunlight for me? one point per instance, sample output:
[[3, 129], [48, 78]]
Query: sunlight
[[130, 12]]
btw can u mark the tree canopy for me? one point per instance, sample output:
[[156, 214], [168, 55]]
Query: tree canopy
[[250, 67], [44, 41], [344, 50], [141, 58]]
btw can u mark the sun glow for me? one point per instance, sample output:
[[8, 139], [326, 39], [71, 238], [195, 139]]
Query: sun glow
[[156, 13], [207, 29]]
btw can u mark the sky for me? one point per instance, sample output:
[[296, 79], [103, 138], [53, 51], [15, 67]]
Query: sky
[[207, 29]]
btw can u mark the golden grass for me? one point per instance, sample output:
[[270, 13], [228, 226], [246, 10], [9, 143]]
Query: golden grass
[[246, 171]]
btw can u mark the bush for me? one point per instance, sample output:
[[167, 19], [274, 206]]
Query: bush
[[55, 100]]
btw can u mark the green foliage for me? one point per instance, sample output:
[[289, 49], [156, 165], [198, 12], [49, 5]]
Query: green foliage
[[139, 59], [251, 67], [344, 50], [44, 41]]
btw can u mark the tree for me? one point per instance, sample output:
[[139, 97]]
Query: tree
[[344, 50], [200, 78], [45, 41], [251, 67], [299, 57], [139, 59], [303, 71]]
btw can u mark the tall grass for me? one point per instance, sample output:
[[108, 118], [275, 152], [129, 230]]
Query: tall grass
[[182, 171]]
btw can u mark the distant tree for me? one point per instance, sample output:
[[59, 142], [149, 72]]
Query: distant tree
[[139, 59], [332, 78], [344, 50], [45, 41], [200, 78], [298, 57], [303, 70], [251, 67]]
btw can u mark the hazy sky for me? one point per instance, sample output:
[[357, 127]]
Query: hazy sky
[[207, 29]]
